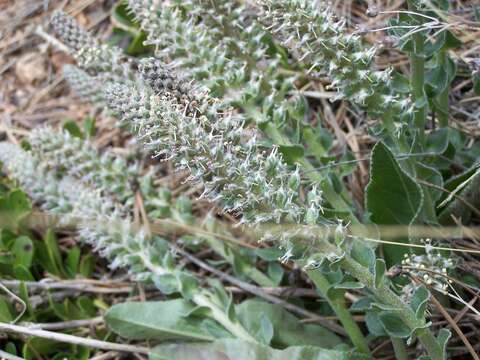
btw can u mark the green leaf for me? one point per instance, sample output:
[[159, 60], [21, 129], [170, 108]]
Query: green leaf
[[50, 254], [20, 272], [167, 283], [269, 254], [374, 325], [442, 339], [188, 285], [363, 304], [476, 84], [436, 80], [86, 266], [400, 83], [363, 253], [125, 25], [392, 196], [275, 272], [72, 127], [89, 126], [38, 346], [451, 41], [6, 314], [11, 348], [379, 272], [349, 285], [22, 251], [73, 260], [137, 47], [159, 320], [315, 142], [287, 330], [121, 16], [419, 301], [394, 326], [23, 294], [241, 350], [14, 207], [291, 153], [433, 177], [265, 331], [86, 306]]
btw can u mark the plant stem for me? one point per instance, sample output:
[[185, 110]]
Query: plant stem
[[399, 348], [386, 295], [442, 98], [339, 307], [201, 299], [322, 283], [417, 80], [219, 315]]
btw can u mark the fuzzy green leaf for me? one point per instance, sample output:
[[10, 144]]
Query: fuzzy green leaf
[[22, 251], [287, 330], [379, 272], [159, 320], [393, 197], [394, 326], [14, 206], [242, 350], [419, 301]]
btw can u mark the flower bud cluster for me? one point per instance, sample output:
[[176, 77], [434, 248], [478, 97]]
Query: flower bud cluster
[[316, 37], [231, 166], [431, 268]]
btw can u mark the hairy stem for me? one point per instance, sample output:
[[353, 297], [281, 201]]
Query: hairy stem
[[442, 98], [219, 315], [339, 307], [417, 80], [386, 295], [399, 348]]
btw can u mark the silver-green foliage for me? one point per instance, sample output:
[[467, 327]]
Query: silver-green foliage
[[224, 155], [317, 37]]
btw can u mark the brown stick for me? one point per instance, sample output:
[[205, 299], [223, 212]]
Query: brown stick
[[455, 327]]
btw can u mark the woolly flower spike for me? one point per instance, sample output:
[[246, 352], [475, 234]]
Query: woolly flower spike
[[40, 184], [166, 81], [70, 33], [105, 59], [99, 220], [233, 64], [190, 44], [100, 224], [259, 184], [109, 62], [316, 37], [78, 158], [83, 84]]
